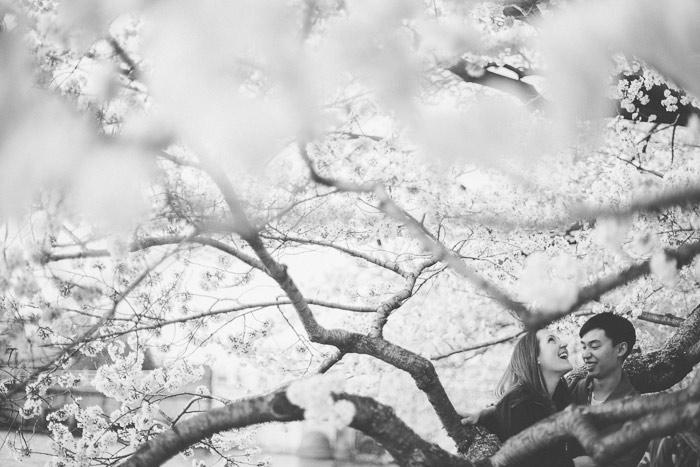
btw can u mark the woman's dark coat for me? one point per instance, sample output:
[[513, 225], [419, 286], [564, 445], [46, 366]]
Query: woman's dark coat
[[520, 408]]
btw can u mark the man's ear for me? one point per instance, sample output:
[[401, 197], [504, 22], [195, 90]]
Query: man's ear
[[621, 348]]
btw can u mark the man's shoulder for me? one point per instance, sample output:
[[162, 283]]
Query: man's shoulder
[[624, 388]]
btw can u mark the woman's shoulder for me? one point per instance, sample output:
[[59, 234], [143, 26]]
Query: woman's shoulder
[[562, 396], [520, 394]]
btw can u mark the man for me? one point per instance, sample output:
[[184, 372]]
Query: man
[[607, 340]]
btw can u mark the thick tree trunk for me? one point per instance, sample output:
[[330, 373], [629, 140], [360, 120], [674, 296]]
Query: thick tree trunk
[[660, 369]]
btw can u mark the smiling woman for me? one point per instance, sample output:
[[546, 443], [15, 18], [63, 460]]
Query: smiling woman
[[532, 389]]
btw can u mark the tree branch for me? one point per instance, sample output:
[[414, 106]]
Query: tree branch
[[390, 265], [386, 308], [667, 319], [670, 199], [480, 346], [406, 447], [522, 9], [576, 214], [472, 73], [133, 71], [239, 414], [371, 417], [149, 242], [420, 369], [683, 256], [436, 249], [205, 314], [329, 362]]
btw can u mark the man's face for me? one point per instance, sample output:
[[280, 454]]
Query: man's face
[[600, 356]]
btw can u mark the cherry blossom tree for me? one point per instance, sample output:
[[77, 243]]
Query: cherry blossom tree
[[362, 199]]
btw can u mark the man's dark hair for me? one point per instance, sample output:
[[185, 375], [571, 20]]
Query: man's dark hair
[[617, 328]]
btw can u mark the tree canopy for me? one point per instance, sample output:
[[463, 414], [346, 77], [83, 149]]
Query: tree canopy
[[364, 201]]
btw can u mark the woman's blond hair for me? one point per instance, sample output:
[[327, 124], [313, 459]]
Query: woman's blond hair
[[523, 369]]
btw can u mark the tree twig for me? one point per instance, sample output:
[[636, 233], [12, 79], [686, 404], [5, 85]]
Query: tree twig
[[480, 346]]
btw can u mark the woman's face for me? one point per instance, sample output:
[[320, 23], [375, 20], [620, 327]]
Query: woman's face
[[554, 357]]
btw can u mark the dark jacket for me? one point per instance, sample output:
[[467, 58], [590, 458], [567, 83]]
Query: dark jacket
[[582, 392], [520, 408]]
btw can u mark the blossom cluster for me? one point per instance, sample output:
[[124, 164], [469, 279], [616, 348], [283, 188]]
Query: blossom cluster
[[315, 396], [550, 284], [36, 395], [119, 379], [96, 439], [138, 418], [16, 274]]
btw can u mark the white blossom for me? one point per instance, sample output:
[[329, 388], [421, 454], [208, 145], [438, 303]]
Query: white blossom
[[664, 268], [550, 285], [696, 269], [611, 232], [643, 243], [234, 439], [315, 396]]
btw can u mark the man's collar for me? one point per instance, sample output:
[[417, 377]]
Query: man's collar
[[624, 388]]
